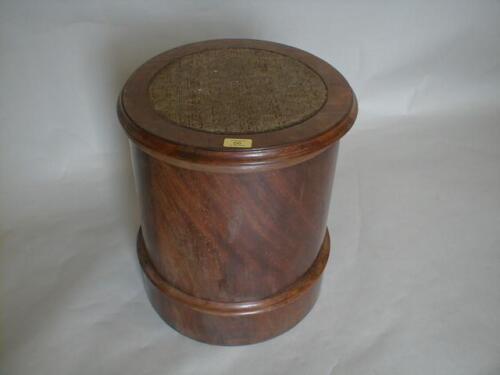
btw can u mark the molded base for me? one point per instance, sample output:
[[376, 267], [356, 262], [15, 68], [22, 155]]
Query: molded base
[[233, 323]]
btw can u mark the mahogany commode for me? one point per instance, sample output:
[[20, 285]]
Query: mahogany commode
[[234, 145]]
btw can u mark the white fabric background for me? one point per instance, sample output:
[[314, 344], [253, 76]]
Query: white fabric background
[[413, 283]]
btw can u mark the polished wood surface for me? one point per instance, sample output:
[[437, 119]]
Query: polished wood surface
[[233, 323], [233, 237], [233, 242], [196, 149]]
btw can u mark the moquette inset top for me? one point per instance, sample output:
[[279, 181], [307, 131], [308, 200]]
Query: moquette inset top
[[237, 90], [286, 104]]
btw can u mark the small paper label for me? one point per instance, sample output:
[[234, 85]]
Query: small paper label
[[237, 142]]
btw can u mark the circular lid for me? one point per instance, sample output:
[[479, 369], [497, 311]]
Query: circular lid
[[236, 103]]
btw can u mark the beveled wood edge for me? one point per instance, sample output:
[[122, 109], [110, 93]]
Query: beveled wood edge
[[232, 309], [137, 104], [235, 161]]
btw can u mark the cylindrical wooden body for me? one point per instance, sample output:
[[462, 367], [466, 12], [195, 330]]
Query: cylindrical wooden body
[[233, 240], [233, 237]]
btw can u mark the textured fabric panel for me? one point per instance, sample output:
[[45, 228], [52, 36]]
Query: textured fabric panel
[[237, 90]]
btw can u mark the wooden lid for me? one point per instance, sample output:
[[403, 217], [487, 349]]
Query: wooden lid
[[236, 105]]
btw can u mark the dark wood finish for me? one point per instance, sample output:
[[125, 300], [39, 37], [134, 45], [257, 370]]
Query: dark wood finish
[[233, 323], [233, 237], [190, 148], [234, 241]]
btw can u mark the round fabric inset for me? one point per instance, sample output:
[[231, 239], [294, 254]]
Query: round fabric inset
[[237, 90]]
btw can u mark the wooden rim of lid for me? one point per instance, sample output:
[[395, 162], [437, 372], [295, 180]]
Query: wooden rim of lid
[[193, 148]]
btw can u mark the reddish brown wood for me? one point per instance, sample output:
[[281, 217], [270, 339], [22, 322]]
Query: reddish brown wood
[[234, 241], [233, 323], [192, 149]]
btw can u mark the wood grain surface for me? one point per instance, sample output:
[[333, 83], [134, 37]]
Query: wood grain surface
[[233, 240]]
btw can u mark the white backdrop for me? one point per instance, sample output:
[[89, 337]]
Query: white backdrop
[[413, 283]]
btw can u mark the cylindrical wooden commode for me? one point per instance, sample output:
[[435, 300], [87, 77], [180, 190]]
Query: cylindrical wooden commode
[[234, 144]]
